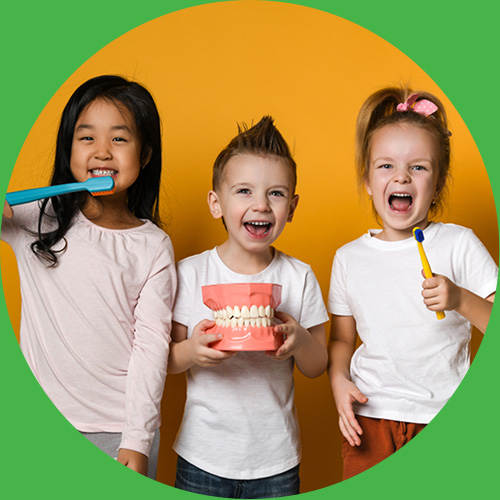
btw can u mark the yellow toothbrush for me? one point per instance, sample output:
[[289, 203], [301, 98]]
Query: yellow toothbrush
[[419, 237]]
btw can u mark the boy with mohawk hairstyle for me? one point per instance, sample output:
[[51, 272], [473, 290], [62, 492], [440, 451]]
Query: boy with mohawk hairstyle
[[239, 437]]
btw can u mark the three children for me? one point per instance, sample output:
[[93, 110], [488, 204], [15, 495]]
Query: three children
[[239, 436]]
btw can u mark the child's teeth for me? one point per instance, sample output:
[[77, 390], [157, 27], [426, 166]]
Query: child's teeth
[[102, 173]]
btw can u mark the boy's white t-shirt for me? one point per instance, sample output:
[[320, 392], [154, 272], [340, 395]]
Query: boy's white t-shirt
[[410, 363], [240, 420]]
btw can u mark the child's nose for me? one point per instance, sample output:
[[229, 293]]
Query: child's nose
[[102, 151], [261, 203], [402, 176]]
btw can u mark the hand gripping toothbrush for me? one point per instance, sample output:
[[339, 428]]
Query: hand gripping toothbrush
[[96, 186], [419, 237]]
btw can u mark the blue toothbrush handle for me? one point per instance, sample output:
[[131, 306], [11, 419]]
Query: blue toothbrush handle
[[29, 195]]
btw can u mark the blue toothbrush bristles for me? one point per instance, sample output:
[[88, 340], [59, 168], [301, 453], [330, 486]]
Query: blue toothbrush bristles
[[419, 235]]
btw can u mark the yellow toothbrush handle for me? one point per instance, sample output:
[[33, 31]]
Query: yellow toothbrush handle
[[428, 273]]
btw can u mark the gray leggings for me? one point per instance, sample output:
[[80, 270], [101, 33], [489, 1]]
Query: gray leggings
[[108, 442]]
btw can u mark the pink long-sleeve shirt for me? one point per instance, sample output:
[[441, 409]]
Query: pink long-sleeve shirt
[[95, 329]]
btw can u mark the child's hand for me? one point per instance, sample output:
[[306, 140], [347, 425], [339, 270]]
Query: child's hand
[[200, 352], [295, 337], [441, 294], [133, 460], [7, 210], [345, 394]]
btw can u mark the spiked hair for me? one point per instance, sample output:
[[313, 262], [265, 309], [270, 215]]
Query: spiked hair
[[262, 139]]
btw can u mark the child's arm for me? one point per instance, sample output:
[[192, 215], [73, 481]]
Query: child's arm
[[185, 353], [441, 294], [342, 344], [133, 460], [7, 210], [308, 347]]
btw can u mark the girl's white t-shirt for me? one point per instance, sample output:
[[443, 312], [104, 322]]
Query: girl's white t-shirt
[[95, 329], [240, 420], [409, 363]]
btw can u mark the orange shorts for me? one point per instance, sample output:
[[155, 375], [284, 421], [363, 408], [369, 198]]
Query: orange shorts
[[380, 439]]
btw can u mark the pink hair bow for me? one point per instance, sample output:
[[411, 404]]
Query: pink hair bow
[[423, 107]]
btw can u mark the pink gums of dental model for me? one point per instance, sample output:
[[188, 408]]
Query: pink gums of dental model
[[244, 315]]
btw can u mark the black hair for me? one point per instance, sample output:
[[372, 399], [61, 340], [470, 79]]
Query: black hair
[[142, 196]]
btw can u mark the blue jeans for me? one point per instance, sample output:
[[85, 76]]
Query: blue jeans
[[195, 480]]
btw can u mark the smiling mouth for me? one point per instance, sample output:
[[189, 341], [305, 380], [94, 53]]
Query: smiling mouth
[[258, 229], [400, 202], [103, 172]]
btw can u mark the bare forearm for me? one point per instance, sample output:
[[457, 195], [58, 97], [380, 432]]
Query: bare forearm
[[312, 358], [180, 358], [475, 309], [339, 360]]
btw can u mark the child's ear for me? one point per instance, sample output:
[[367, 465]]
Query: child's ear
[[293, 206], [368, 188], [214, 205], [146, 157]]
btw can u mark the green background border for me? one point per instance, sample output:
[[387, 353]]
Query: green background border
[[43, 43]]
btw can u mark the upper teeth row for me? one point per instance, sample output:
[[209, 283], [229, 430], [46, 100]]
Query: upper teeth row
[[258, 223], [245, 312], [103, 172], [401, 195]]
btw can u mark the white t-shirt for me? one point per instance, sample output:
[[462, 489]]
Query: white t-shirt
[[410, 363], [240, 420], [95, 330]]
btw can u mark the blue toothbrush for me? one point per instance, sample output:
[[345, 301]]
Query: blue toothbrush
[[96, 186]]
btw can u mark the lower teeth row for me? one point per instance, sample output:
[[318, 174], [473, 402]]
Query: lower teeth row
[[240, 322]]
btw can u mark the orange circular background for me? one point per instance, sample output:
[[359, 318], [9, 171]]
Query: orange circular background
[[214, 65]]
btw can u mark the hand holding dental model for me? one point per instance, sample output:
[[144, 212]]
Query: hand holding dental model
[[200, 351]]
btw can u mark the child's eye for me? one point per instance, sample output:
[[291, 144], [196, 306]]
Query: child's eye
[[119, 139], [277, 193], [86, 138], [418, 167], [385, 166], [243, 191]]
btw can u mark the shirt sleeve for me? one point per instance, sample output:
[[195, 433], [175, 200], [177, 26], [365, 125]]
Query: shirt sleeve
[[337, 296], [25, 216], [478, 270], [313, 309], [148, 363], [182, 307]]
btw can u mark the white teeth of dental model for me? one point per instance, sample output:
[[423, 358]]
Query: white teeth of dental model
[[269, 312], [245, 316]]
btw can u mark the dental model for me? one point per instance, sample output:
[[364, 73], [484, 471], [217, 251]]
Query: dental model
[[243, 313]]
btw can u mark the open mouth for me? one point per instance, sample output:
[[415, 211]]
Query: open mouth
[[400, 202], [258, 229], [103, 172]]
